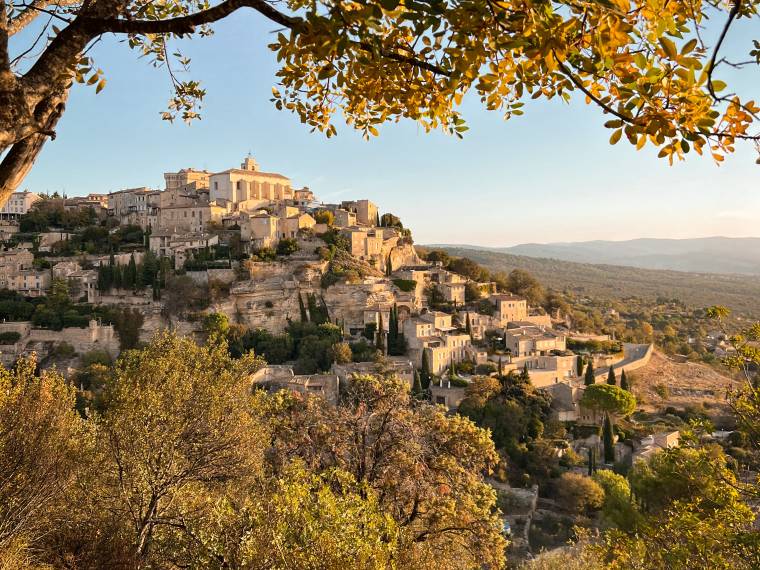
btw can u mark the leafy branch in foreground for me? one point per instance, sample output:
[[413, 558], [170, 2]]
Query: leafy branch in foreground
[[646, 63]]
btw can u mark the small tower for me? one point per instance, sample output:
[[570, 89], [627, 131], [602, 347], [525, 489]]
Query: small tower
[[249, 164]]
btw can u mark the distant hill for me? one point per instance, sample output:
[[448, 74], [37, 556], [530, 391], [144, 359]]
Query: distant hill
[[738, 292], [702, 255]]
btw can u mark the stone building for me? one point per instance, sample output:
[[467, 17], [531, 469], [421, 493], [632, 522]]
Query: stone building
[[247, 187], [509, 308], [527, 339], [187, 179], [18, 204], [365, 212]]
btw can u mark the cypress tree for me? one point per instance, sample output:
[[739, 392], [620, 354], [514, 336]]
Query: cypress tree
[[590, 461], [379, 341], [452, 370], [589, 378], [417, 386], [392, 330], [118, 276], [302, 309], [624, 381], [425, 370], [525, 375], [130, 274], [377, 219], [501, 368], [468, 326], [611, 378], [101, 278], [608, 440], [579, 366]]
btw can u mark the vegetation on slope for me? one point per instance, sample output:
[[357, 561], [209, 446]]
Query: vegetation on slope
[[739, 293]]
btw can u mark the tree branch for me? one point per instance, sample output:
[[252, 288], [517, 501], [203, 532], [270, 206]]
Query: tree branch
[[28, 14], [711, 66], [20, 158], [187, 24]]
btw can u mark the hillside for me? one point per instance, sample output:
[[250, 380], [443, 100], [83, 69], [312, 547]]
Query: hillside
[[701, 255], [664, 382], [738, 292]]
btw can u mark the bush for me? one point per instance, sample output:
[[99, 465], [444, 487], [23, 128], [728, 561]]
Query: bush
[[579, 494], [324, 217], [405, 285], [264, 254], [595, 346], [287, 246], [63, 350], [485, 369], [10, 337]]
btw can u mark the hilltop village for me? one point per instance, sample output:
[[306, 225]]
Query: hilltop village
[[247, 244], [324, 291]]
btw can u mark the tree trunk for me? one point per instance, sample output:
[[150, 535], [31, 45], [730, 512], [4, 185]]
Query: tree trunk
[[21, 156]]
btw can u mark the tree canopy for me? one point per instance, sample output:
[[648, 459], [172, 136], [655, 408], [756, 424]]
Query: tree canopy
[[608, 398], [652, 68], [184, 465]]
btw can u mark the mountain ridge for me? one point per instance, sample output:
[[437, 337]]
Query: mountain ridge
[[715, 255]]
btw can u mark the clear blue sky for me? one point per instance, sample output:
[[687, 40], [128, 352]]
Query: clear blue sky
[[547, 176]]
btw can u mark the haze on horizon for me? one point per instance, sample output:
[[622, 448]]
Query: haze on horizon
[[549, 176]]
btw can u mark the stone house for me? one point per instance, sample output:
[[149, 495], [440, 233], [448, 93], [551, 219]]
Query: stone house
[[289, 226], [527, 339], [509, 308], [344, 218], [275, 378], [260, 229], [189, 218], [18, 204], [365, 211]]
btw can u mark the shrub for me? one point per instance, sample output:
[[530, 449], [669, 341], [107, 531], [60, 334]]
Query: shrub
[[10, 337], [579, 494], [63, 350], [287, 246], [405, 285], [487, 368]]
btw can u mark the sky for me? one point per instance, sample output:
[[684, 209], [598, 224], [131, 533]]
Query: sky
[[547, 176]]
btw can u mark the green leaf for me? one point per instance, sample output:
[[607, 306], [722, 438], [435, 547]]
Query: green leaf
[[689, 46], [669, 48]]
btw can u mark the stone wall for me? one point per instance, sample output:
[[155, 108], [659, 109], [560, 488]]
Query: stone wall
[[94, 337]]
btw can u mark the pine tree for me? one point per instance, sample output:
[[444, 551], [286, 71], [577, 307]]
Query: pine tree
[[425, 370], [589, 379], [611, 378], [608, 439], [468, 326], [302, 309], [579, 366], [624, 381]]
